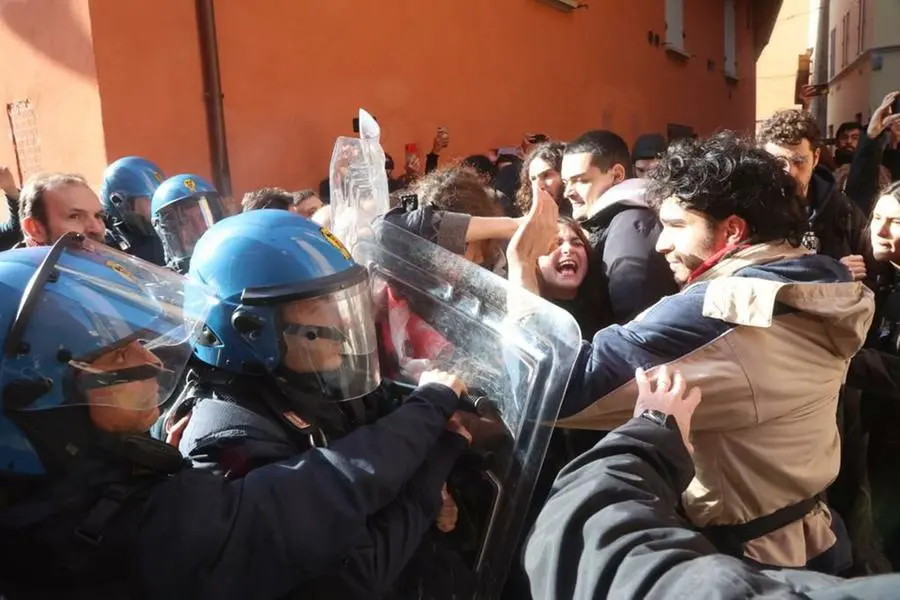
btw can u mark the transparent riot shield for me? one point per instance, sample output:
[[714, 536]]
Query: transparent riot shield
[[359, 185], [515, 352]]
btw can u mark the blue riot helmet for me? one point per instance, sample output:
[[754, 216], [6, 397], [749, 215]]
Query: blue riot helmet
[[291, 303], [93, 340], [128, 185], [183, 208]]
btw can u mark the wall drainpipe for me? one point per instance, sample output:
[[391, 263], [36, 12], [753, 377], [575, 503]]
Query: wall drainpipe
[[212, 92]]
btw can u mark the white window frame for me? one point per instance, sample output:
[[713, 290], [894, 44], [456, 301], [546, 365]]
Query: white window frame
[[730, 39], [832, 52], [861, 28], [675, 25]]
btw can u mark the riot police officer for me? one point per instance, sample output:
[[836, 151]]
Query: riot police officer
[[90, 507], [289, 360], [128, 185], [184, 207]]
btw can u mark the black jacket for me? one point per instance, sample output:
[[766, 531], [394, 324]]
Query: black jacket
[[632, 275], [610, 530], [876, 367], [233, 434], [197, 535], [10, 232], [837, 223], [863, 179]]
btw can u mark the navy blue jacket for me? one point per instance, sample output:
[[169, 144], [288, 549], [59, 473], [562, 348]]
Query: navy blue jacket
[[198, 535], [610, 530], [221, 439]]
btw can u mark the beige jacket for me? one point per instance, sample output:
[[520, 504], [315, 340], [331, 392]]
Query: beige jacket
[[771, 361]]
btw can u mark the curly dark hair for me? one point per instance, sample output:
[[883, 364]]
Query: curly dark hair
[[268, 197], [549, 152], [790, 127], [457, 189], [726, 175], [302, 195], [482, 165]]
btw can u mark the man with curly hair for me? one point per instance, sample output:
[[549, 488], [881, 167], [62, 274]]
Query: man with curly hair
[[763, 326], [835, 225]]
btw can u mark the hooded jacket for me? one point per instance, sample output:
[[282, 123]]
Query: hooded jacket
[[235, 430], [767, 334], [625, 265]]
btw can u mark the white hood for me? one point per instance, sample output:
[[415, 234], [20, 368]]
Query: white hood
[[631, 191]]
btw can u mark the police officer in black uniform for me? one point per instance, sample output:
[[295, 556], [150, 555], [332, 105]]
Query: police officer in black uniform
[[288, 360], [91, 507]]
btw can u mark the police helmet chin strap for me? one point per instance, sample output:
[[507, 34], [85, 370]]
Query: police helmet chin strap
[[130, 223]]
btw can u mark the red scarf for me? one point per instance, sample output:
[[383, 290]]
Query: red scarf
[[713, 260]]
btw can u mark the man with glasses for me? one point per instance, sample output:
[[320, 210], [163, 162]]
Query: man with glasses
[[835, 226]]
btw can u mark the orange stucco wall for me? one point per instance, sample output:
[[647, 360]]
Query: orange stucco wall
[[295, 73], [151, 82], [46, 56]]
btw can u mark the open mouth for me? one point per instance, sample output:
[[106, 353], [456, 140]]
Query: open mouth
[[567, 267]]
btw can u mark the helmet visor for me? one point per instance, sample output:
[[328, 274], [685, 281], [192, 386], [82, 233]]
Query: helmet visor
[[333, 338], [119, 326], [180, 224]]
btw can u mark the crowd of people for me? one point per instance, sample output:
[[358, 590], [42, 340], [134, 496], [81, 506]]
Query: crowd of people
[[199, 395]]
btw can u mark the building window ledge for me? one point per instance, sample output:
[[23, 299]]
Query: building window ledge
[[853, 64], [676, 51]]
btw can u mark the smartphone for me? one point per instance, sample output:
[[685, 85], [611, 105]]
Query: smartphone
[[895, 106], [411, 149], [537, 138]]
